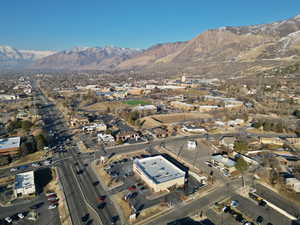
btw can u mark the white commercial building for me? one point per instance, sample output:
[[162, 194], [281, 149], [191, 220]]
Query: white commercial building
[[24, 185], [159, 173]]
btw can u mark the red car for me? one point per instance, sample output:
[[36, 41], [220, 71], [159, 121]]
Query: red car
[[101, 198], [132, 188]]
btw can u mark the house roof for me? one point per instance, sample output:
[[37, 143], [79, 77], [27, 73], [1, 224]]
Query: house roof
[[224, 160]]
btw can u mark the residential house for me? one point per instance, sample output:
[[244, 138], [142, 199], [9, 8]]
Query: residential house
[[160, 132], [105, 138], [124, 135], [271, 141], [136, 91], [78, 121], [191, 128], [293, 183], [207, 108], [294, 141], [228, 142], [224, 161], [183, 106], [146, 109], [8, 97]]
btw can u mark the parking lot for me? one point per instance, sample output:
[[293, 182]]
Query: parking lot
[[246, 210], [137, 193], [197, 157], [38, 206]]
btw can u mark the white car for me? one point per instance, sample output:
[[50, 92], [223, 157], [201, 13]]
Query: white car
[[46, 163], [234, 203], [8, 219], [13, 169], [35, 165], [55, 198], [50, 194], [21, 215], [52, 206]]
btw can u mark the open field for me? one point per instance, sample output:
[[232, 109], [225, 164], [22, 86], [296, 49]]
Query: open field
[[165, 119], [105, 106]]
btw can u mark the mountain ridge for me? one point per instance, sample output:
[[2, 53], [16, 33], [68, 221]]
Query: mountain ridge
[[228, 49]]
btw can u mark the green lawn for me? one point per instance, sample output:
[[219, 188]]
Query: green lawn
[[137, 102]]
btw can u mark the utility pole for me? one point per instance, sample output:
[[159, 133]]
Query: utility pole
[[180, 150]]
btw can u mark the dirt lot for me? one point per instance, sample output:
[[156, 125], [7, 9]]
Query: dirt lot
[[124, 205], [103, 106], [165, 119], [106, 178]]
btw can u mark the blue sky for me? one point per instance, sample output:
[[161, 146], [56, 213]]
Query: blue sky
[[63, 24]]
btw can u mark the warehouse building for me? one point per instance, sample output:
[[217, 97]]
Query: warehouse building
[[159, 173], [24, 185]]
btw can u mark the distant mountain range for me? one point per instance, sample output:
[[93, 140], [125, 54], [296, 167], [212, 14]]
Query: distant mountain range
[[225, 50], [12, 58], [102, 58]]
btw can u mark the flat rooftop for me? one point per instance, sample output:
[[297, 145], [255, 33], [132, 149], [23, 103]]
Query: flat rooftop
[[159, 169], [25, 180], [13, 142]]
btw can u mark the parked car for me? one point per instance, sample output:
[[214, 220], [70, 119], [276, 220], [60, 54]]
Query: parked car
[[52, 206], [102, 198], [226, 209], [13, 169], [48, 194], [23, 167], [132, 188], [96, 183], [8, 219], [35, 165], [21, 215], [101, 205], [259, 219], [234, 203]]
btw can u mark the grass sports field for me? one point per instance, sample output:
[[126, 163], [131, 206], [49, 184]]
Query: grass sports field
[[136, 102]]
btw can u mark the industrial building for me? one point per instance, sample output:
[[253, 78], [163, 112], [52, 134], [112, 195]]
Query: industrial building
[[24, 185], [159, 173], [10, 146]]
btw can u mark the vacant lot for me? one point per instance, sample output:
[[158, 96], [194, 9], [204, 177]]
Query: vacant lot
[[165, 119], [106, 106]]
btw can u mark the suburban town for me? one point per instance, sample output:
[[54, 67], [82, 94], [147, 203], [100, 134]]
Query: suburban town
[[199, 132], [149, 151]]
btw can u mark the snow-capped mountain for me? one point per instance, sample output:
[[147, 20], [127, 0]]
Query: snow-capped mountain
[[9, 53], [35, 55], [11, 57], [87, 58]]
